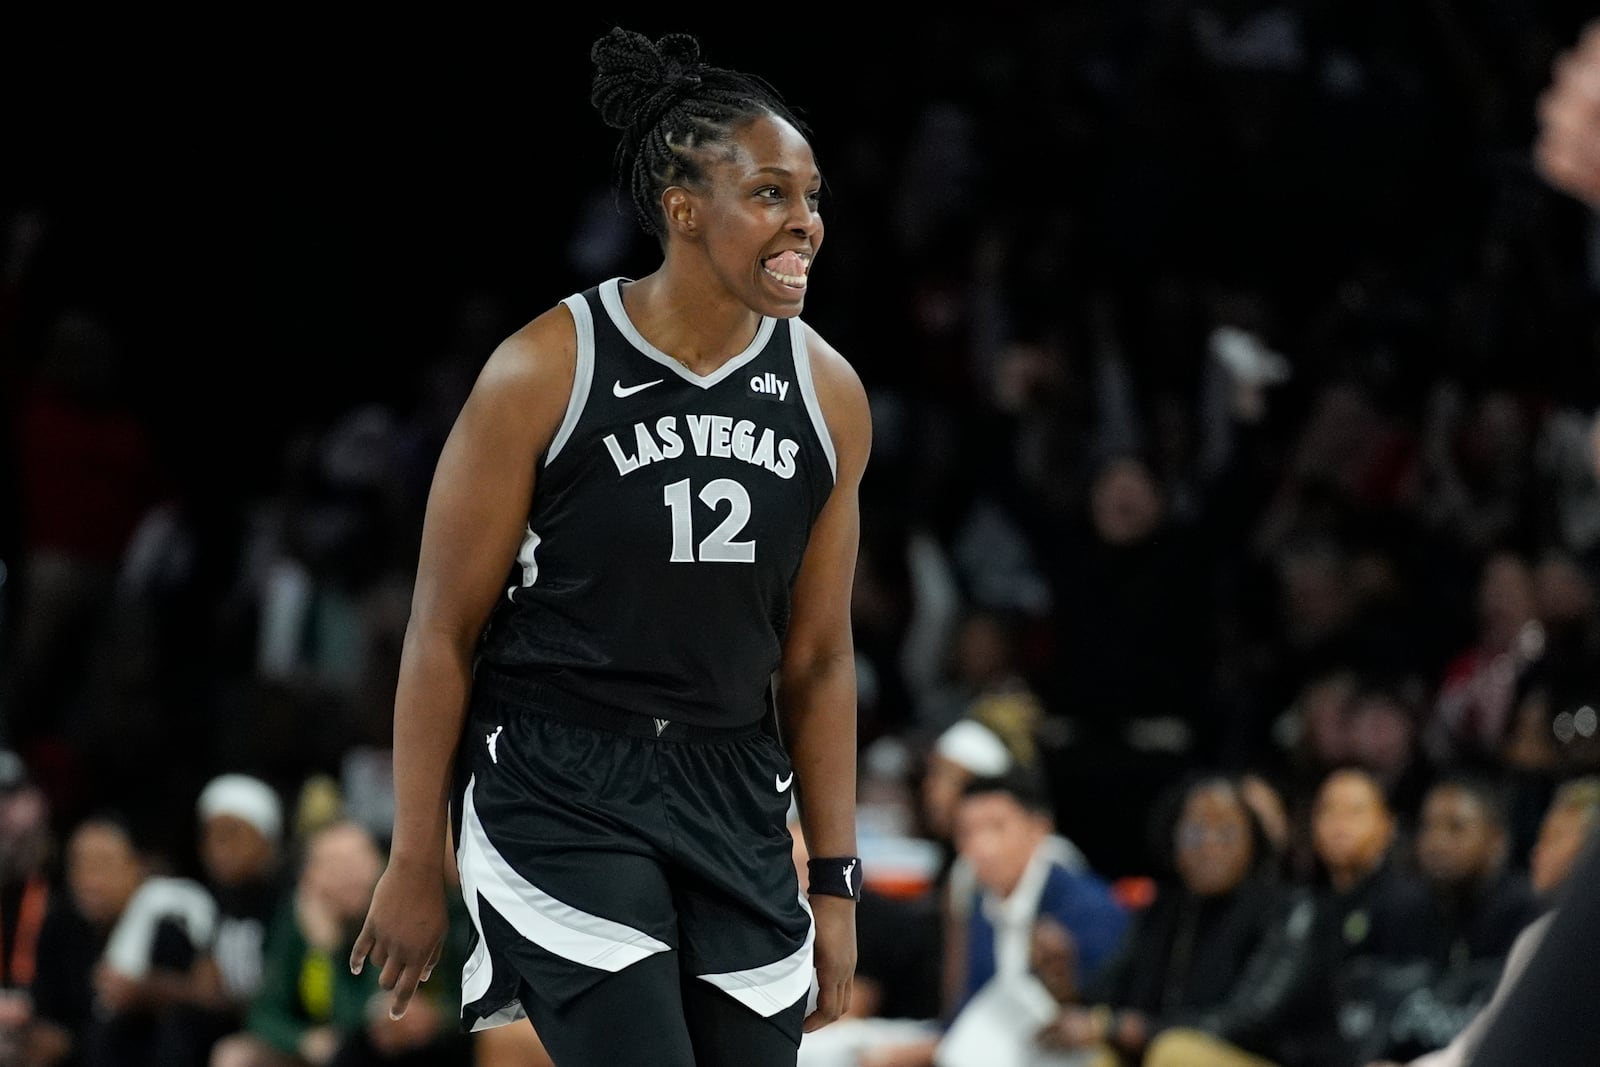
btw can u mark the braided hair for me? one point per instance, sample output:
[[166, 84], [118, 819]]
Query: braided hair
[[670, 107]]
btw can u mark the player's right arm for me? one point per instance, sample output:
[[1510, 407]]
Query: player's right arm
[[473, 526]]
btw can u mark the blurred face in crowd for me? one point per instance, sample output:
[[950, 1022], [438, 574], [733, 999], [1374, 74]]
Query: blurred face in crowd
[[1505, 599], [1315, 592], [1561, 838], [1458, 840], [1562, 591], [24, 832], [941, 793], [1382, 735], [1125, 504], [1212, 843], [1324, 712], [233, 850], [1351, 825], [103, 870], [983, 650], [342, 866], [998, 835]]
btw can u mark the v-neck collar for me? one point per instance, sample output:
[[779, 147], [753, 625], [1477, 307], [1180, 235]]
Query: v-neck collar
[[611, 297]]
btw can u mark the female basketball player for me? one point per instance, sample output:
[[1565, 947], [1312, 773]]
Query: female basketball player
[[630, 634]]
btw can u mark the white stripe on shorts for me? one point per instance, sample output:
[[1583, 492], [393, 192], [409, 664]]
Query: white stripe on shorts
[[541, 918], [772, 987]]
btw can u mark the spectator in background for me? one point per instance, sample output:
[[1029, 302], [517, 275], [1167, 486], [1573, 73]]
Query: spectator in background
[[27, 888], [103, 870], [970, 750], [1550, 737], [1029, 910], [308, 1005], [1128, 592], [1368, 906], [1004, 829], [1176, 986], [1383, 734], [1568, 825], [1537, 1022], [1472, 713], [1312, 740], [184, 958], [309, 1008], [986, 680], [1478, 904], [241, 852], [976, 745], [90, 469], [1483, 899]]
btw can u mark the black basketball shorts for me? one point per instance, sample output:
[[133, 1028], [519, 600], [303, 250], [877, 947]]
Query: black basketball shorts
[[589, 839]]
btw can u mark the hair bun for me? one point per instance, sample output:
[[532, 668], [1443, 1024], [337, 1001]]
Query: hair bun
[[636, 79], [679, 55]]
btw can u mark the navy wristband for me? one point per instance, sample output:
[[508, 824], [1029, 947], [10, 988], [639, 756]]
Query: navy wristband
[[835, 876]]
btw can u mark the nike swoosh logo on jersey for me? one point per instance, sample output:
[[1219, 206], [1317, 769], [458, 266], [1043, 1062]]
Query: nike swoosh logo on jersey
[[782, 783], [620, 390]]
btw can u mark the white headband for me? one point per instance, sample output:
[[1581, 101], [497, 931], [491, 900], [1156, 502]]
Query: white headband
[[246, 798], [975, 747]]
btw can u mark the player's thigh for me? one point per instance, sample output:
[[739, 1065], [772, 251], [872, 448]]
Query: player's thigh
[[726, 1033], [513, 1045], [631, 1018]]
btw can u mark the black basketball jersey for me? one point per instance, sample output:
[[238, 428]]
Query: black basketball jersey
[[667, 526]]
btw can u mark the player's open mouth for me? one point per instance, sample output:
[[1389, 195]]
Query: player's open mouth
[[790, 268]]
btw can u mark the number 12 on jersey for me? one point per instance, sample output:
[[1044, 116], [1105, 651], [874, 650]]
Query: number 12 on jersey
[[719, 545]]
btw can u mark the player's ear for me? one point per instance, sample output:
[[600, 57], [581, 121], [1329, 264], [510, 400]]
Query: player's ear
[[678, 205]]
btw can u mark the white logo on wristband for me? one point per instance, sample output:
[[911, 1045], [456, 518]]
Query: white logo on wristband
[[847, 869]]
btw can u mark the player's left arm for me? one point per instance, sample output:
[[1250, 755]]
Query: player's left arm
[[817, 679]]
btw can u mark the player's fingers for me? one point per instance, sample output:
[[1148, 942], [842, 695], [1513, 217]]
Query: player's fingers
[[365, 942], [433, 961], [833, 1000], [403, 982]]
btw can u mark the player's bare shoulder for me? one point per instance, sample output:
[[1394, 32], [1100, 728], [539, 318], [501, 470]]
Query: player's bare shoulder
[[522, 391], [844, 402]]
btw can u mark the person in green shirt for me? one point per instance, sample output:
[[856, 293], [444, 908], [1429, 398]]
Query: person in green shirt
[[310, 1011]]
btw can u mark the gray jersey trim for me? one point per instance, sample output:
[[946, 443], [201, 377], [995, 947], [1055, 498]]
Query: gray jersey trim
[[582, 374], [808, 391], [611, 297]]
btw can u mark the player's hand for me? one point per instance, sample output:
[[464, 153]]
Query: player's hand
[[405, 930], [835, 949]]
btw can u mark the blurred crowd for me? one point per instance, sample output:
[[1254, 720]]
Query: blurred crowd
[[1233, 527]]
